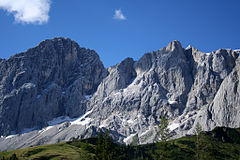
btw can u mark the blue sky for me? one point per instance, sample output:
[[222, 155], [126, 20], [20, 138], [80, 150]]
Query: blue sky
[[141, 25]]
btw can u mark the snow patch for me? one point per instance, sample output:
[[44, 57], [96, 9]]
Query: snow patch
[[102, 125], [130, 121], [45, 129], [173, 126], [125, 140], [170, 101], [83, 120], [10, 136], [142, 134]]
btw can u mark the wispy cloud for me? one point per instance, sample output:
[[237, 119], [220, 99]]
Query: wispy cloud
[[27, 11], [119, 15]]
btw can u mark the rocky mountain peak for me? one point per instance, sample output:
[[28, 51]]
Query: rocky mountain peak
[[62, 85], [47, 81], [174, 45]]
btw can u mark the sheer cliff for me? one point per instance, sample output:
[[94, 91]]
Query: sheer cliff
[[59, 91]]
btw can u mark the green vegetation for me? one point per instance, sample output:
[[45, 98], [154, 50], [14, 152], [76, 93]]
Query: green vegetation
[[163, 131], [197, 132], [219, 144]]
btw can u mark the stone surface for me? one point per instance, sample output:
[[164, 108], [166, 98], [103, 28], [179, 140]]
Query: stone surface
[[67, 88], [45, 82]]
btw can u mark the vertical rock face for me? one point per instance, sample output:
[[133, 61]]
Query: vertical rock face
[[209, 70], [47, 81], [224, 110], [58, 78], [134, 95]]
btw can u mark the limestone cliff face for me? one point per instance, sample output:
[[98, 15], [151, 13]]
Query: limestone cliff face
[[224, 110], [134, 95], [45, 82], [65, 86]]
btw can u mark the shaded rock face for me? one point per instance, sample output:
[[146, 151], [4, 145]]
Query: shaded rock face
[[47, 81], [58, 78]]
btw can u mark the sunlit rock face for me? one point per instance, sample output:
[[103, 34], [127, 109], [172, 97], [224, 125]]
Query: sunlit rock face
[[59, 91]]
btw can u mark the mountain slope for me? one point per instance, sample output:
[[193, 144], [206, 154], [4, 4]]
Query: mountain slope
[[72, 96], [221, 143]]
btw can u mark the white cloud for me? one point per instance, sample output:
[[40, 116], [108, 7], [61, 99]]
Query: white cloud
[[119, 15], [27, 11]]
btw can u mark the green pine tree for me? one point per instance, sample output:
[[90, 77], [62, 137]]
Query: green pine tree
[[163, 130], [99, 147], [197, 132], [14, 157], [108, 146]]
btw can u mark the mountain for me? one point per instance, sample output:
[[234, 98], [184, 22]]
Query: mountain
[[59, 91], [45, 82]]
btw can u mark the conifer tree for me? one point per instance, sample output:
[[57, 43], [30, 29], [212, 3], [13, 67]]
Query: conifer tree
[[99, 148], [14, 157], [163, 130], [108, 150], [197, 132]]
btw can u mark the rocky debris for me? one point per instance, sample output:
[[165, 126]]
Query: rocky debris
[[185, 85]]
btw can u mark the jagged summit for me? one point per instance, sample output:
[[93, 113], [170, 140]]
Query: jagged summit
[[59, 91], [174, 45], [58, 46]]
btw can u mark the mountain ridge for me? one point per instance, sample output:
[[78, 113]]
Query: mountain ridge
[[127, 99]]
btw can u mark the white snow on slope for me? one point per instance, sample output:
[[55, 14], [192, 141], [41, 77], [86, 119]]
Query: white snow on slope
[[130, 121], [10, 136], [126, 140], [170, 101], [83, 120], [143, 133], [173, 126]]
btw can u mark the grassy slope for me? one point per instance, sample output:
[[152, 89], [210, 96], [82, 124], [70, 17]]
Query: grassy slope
[[221, 143], [53, 152]]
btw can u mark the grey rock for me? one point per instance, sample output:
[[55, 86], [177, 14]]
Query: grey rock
[[46, 82], [74, 90], [224, 109]]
